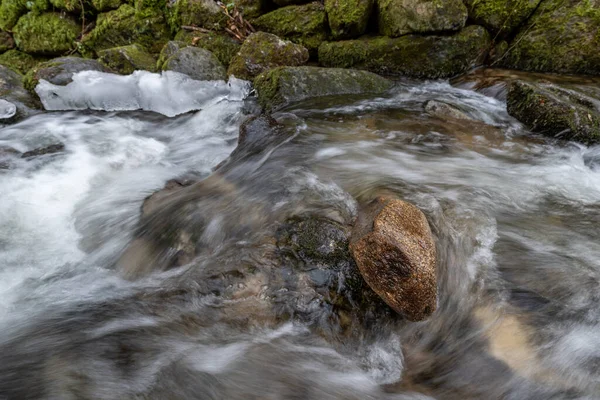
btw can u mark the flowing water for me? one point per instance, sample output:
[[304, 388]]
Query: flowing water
[[515, 218]]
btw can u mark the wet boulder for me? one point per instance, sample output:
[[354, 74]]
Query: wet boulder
[[304, 24], [18, 61], [428, 57], [197, 63], [444, 110], [348, 18], [282, 86], [400, 17], [6, 41], [395, 253], [555, 111], [200, 13], [501, 17], [46, 34], [60, 71], [263, 51], [7, 110], [13, 91], [125, 26], [126, 59], [223, 46], [561, 36]]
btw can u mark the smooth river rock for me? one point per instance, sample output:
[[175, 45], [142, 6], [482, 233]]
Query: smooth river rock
[[395, 253]]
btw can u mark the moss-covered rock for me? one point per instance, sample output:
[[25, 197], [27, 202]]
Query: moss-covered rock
[[125, 26], [501, 17], [251, 8], [305, 25], [126, 59], [262, 51], [223, 46], [106, 5], [197, 63], [411, 55], [12, 90], [555, 111], [6, 41], [72, 6], [348, 18], [562, 36], [18, 61], [59, 71], [10, 12], [285, 3], [47, 34], [399, 17], [201, 13], [282, 86]]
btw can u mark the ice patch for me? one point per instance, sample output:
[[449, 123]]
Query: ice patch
[[169, 93]]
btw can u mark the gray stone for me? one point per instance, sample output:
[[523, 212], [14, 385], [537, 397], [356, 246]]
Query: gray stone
[[197, 63]]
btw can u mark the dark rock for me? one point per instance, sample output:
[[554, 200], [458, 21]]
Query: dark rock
[[42, 151], [501, 17], [305, 25], [127, 59], [6, 41], [400, 17], [415, 56], [555, 111], [348, 18], [395, 253], [280, 87], [562, 36], [197, 63], [263, 51], [60, 71]]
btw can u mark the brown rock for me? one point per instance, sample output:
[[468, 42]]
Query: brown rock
[[395, 253]]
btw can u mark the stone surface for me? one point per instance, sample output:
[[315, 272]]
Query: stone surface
[[18, 61], [562, 36], [555, 111], [6, 41], [126, 26], [223, 46], [200, 13], [7, 111], [306, 24], [412, 55], [59, 71], [501, 17], [282, 86], [126, 59], [395, 253], [444, 110], [263, 51], [13, 91], [46, 34], [400, 17], [348, 18], [197, 63]]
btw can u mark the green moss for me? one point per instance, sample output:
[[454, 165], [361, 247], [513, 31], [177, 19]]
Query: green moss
[[127, 59], [562, 36], [18, 61], [305, 25], [223, 46], [48, 33], [125, 26], [251, 8], [69, 5], [262, 51], [106, 5], [348, 18], [501, 17], [201, 13], [411, 55], [397, 18], [10, 12]]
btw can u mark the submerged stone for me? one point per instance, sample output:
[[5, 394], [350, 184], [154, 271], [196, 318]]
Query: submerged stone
[[46, 34], [263, 51], [282, 86], [348, 18], [561, 36], [555, 111], [411, 55], [395, 253], [305, 24], [400, 17], [60, 71], [126, 59], [444, 110]]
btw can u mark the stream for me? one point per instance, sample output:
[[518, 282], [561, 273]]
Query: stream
[[515, 217]]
